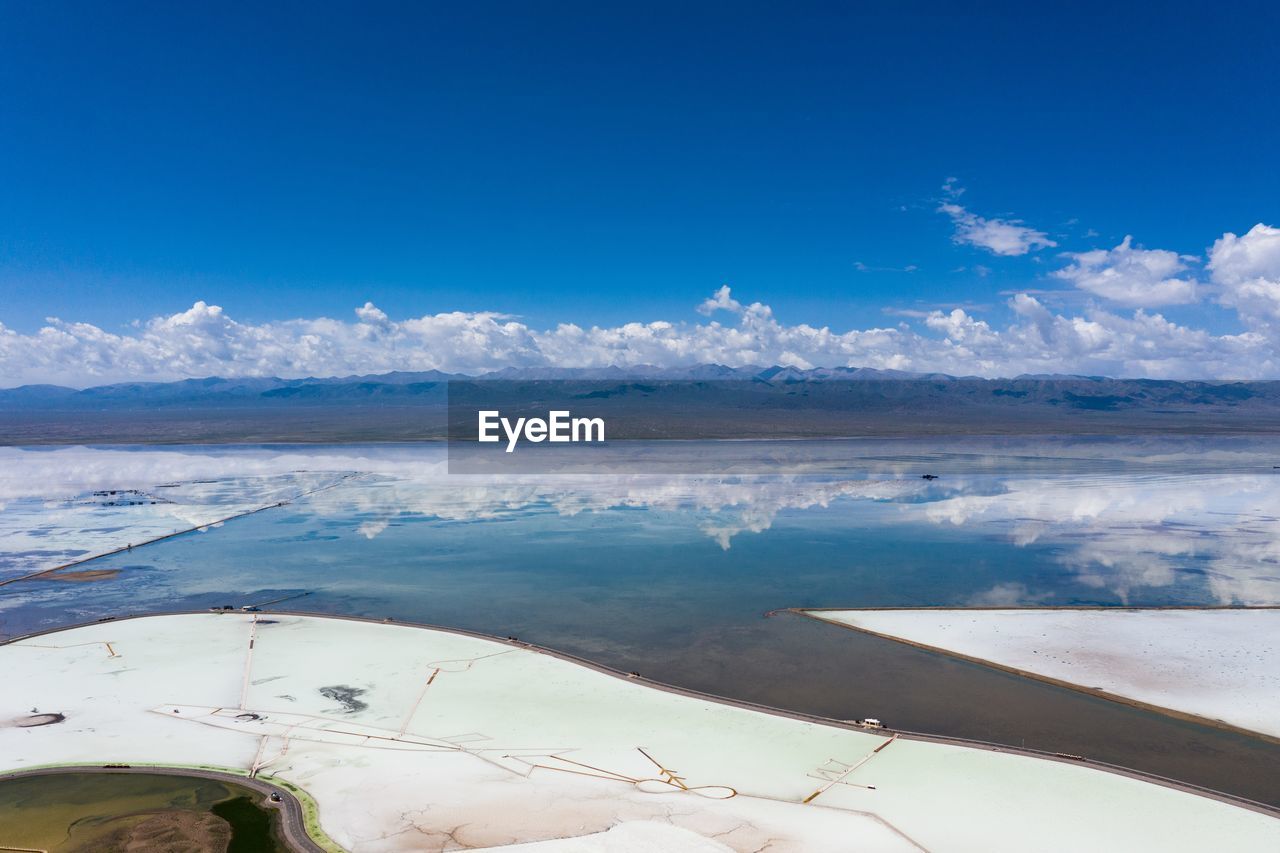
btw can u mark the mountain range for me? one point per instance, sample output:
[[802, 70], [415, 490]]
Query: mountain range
[[709, 400], [404, 384]]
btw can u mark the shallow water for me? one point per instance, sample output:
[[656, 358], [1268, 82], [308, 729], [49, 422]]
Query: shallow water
[[671, 575]]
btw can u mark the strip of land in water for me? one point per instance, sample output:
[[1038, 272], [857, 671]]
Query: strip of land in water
[[1170, 663]]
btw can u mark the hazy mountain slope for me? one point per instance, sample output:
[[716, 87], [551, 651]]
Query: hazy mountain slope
[[701, 401]]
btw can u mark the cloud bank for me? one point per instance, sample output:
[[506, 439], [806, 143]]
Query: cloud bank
[[1118, 332]]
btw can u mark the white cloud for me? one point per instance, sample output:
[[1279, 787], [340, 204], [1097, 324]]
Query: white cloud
[[1128, 276], [205, 341], [721, 300], [372, 315], [1247, 269], [1007, 237], [1234, 259]]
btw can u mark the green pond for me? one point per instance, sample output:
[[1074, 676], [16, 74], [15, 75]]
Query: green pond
[[150, 812]]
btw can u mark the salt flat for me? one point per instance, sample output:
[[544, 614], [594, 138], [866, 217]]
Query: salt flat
[[1219, 664], [421, 739]]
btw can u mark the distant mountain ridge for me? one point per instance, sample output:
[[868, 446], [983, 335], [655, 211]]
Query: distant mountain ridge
[[403, 385], [361, 385], [702, 401]]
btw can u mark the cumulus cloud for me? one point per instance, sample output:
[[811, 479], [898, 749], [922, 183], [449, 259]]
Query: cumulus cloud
[[371, 314], [1007, 237], [721, 300], [1131, 276], [1247, 269]]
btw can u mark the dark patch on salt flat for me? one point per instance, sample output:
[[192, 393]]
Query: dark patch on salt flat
[[38, 719], [346, 696]]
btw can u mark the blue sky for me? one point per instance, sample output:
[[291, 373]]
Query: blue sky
[[595, 164]]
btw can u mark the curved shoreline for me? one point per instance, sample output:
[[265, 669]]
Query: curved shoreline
[[1186, 787]]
